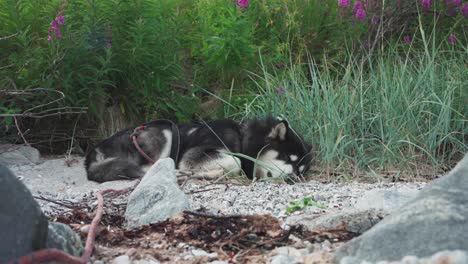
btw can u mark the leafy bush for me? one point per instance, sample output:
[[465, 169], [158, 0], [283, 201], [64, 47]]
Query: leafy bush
[[369, 82]]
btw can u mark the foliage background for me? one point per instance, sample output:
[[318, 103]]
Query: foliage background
[[388, 90]]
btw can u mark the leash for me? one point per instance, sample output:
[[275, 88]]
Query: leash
[[175, 144]]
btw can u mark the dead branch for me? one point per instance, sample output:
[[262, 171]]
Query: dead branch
[[44, 113]]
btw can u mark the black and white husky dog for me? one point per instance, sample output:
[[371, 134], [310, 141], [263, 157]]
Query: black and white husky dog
[[265, 147]]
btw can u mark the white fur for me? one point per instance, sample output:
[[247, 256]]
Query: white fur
[[279, 167], [166, 151], [191, 131], [99, 155], [146, 167], [99, 162], [226, 162], [293, 157], [301, 168]]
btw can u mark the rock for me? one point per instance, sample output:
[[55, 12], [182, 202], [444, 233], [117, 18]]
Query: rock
[[124, 259], [145, 262], [443, 257], [386, 200], [436, 220], [285, 255], [62, 237], [18, 155], [23, 226], [202, 253], [355, 222], [282, 259], [157, 197]]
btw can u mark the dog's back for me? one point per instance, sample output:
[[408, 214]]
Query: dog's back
[[205, 146]]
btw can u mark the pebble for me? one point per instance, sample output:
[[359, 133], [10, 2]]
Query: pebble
[[202, 253], [124, 259]]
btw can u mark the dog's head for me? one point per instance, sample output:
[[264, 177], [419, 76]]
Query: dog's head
[[286, 152]]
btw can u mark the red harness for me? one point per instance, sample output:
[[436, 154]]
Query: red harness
[[137, 146]]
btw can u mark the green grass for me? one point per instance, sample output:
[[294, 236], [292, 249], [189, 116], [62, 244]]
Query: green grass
[[391, 110]]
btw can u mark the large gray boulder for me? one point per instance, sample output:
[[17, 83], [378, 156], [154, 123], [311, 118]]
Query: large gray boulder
[[436, 220], [386, 200], [23, 226], [11, 155], [157, 197]]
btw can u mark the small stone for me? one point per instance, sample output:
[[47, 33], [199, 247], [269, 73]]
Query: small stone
[[202, 253], [282, 259], [145, 262], [124, 259], [85, 229]]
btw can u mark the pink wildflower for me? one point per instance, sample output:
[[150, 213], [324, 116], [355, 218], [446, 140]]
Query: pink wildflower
[[358, 11], [243, 3], [426, 4], [456, 2], [451, 38], [407, 39], [59, 18], [464, 10], [343, 3]]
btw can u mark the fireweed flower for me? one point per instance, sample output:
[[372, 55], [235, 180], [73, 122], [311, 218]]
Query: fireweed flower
[[243, 3], [358, 11], [464, 10], [343, 3], [58, 20], [451, 38], [426, 4], [407, 39], [456, 2]]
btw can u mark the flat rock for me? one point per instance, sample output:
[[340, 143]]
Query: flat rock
[[11, 155], [436, 220], [23, 226], [157, 197], [386, 200], [354, 222], [62, 237]]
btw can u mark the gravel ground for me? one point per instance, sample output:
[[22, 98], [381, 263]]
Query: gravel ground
[[58, 179]]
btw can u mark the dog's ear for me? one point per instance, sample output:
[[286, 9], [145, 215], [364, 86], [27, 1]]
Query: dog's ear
[[278, 132]]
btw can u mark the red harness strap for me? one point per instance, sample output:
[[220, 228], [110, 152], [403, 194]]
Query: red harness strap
[[137, 146]]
